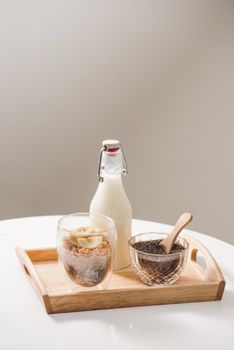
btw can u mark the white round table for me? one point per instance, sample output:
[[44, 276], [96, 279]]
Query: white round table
[[24, 324]]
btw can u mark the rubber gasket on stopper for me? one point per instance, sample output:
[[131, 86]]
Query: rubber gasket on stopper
[[111, 145]]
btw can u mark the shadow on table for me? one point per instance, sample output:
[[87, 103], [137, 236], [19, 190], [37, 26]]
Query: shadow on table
[[158, 318]]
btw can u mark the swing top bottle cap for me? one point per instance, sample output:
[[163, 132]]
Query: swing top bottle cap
[[111, 145]]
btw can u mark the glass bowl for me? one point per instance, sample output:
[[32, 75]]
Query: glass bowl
[[85, 245], [153, 268]]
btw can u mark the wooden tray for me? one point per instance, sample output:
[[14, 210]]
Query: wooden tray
[[125, 289]]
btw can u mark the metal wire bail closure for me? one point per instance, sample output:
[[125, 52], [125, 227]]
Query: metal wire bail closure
[[100, 178], [125, 166], [100, 167]]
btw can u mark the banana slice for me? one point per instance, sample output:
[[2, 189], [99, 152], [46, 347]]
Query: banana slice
[[83, 234], [89, 242], [86, 231]]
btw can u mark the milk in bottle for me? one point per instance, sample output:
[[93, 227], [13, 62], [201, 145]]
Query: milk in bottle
[[110, 198]]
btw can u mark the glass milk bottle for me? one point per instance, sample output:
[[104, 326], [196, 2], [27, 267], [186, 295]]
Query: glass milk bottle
[[110, 198]]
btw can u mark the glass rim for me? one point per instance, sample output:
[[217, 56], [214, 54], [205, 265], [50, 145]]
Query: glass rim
[[156, 254], [84, 214]]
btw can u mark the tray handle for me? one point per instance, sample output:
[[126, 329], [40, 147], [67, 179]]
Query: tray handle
[[211, 270], [32, 275]]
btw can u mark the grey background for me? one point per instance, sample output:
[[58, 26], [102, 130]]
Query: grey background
[[158, 75]]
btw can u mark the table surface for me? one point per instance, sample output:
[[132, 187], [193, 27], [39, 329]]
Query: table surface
[[25, 325]]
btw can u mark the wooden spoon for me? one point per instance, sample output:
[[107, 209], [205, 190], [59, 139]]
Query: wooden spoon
[[168, 242]]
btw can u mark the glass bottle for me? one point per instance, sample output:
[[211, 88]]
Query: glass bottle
[[110, 198]]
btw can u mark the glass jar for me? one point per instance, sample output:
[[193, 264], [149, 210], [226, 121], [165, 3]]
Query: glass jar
[[85, 245], [157, 268]]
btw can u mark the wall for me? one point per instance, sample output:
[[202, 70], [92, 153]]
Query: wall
[[158, 75]]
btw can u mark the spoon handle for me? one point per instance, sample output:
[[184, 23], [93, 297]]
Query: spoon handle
[[169, 241]]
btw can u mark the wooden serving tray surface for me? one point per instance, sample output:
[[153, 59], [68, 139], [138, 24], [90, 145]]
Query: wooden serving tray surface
[[57, 293]]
